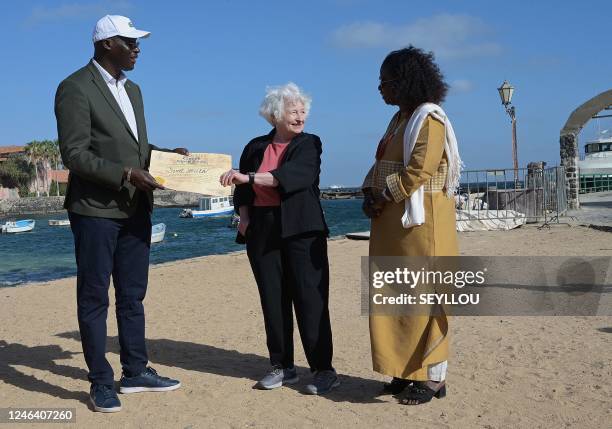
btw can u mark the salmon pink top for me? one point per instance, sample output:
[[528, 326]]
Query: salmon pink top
[[266, 196]]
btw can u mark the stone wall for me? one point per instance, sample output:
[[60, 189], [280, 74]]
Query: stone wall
[[31, 205], [44, 205], [535, 174], [166, 198], [569, 159], [8, 193]]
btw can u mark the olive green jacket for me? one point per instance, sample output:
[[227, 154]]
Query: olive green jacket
[[96, 143]]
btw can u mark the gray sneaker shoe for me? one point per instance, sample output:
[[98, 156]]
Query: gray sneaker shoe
[[277, 377], [323, 382]]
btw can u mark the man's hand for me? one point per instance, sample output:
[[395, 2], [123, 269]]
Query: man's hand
[[142, 180], [233, 177], [181, 151]]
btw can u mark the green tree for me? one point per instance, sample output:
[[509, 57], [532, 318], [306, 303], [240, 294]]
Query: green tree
[[54, 157], [41, 154], [58, 188], [33, 154], [16, 173]]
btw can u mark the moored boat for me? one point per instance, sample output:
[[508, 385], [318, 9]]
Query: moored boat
[[158, 231], [211, 207], [24, 225], [595, 169], [59, 222]]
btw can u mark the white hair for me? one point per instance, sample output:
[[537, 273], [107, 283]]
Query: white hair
[[273, 105]]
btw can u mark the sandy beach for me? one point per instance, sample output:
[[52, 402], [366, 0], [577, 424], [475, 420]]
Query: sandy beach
[[206, 329]]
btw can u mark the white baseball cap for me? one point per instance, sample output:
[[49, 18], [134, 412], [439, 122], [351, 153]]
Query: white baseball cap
[[116, 25]]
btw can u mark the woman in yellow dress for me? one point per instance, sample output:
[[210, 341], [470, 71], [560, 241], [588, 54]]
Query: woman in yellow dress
[[408, 196]]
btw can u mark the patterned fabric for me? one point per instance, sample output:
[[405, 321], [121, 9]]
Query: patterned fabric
[[382, 169], [387, 174], [394, 183], [368, 179]]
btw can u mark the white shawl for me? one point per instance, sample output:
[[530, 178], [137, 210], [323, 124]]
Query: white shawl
[[414, 213]]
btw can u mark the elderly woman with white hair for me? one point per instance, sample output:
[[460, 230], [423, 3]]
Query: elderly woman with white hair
[[282, 223]]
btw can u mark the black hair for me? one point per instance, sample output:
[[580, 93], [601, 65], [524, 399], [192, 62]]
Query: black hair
[[419, 79]]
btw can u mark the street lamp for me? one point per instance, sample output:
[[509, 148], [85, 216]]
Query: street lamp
[[505, 93]]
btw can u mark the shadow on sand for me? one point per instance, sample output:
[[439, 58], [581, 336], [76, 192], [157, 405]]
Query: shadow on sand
[[41, 358], [232, 363]]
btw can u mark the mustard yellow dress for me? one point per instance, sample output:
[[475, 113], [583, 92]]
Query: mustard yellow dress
[[404, 346]]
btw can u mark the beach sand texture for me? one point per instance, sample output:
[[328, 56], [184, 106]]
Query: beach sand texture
[[204, 327]]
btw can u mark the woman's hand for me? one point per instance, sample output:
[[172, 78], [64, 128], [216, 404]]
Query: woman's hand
[[373, 206], [245, 219], [243, 225], [233, 177]]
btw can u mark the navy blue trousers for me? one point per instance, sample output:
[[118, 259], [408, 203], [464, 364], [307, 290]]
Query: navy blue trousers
[[118, 248]]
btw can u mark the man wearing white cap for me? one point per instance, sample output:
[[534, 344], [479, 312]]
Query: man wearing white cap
[[103, 142]]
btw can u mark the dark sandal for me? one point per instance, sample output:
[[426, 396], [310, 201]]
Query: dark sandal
[[396, 386], [417, 394]]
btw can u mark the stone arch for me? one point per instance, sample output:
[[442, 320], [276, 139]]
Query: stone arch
[[568, 142]]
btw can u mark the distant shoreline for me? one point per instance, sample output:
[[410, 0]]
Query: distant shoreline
[[44, 205]]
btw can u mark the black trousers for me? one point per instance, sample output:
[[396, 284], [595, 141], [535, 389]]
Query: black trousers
[[118, 248], [291, 271]]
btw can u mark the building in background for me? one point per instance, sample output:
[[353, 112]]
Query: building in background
[[7, 152]]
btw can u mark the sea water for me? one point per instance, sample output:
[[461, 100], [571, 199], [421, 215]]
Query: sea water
[[47, 252]]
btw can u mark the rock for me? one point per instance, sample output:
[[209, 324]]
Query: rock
[[31, 205], [168, 198]]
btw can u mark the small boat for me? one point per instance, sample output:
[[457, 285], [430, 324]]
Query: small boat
[[158, 232], [24, 225], [211, 206], [59, 222], [365, 235]]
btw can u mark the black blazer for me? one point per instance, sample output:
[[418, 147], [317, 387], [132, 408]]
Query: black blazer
[[298, 183]]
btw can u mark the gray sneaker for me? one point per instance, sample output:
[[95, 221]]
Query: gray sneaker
[[323, 382], [277, 377]]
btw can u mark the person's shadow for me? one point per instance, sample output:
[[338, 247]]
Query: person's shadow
[[41, 358], [232, 363]]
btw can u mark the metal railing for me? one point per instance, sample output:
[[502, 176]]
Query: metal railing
[[532, 194], [595, 183]]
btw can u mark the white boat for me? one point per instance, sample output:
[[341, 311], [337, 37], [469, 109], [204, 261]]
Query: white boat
[[24, 225], [595, 169], [158, 232], [597, 157], [59, 222], [211, 206]]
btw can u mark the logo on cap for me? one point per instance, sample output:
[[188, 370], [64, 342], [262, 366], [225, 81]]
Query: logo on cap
[[130, 24]]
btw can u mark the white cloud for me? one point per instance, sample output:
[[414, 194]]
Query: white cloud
[[461, 85], [65, 11], [448, 36]]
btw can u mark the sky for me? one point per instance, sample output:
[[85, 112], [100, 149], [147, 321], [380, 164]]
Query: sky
[[206, 66]]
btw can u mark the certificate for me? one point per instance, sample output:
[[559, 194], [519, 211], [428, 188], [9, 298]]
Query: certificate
[[198, 172]]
